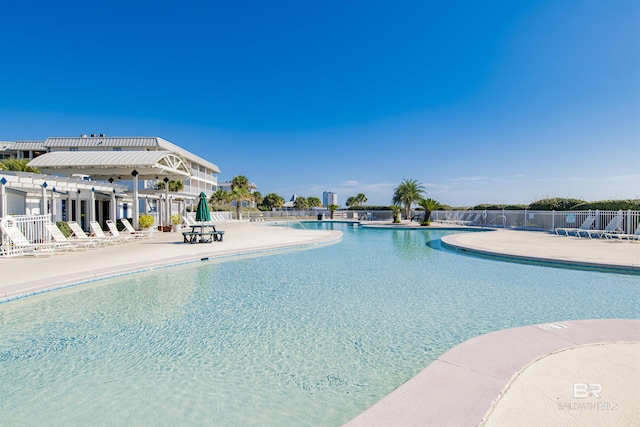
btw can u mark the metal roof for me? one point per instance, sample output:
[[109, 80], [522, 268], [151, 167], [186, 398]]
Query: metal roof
[[142, 142], [29, 146], [114, 164]]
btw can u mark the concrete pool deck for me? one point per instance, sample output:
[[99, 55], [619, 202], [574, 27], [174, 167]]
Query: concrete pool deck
[[533, 375]]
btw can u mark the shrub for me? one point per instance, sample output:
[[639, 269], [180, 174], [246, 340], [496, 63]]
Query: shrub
[[145, 221], [554, 204], [609, 205], [64, 228], [498, 207]]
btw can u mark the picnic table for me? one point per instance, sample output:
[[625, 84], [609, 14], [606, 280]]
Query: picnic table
[[202, 233]]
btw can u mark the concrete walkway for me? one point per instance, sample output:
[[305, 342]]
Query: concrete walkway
[[27, 275], [550, 248], [575, 373], [535, 375]]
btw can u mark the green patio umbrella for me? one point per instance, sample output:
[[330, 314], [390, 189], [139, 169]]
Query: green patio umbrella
[[202, 214]]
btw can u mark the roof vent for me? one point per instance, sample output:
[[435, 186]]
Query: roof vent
[[93, 135], [84, 135], [102, 135]]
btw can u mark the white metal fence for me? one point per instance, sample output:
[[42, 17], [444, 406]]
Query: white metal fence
[[521, 219], [32, 227], [543, 220]]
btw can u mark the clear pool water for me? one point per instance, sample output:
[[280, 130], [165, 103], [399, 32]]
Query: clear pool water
[[306, 337]]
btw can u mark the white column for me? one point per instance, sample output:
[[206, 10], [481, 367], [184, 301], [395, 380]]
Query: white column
[[54, 211], [3, 198], [167, 209], [43, 201], [136, 206], [78, 218], [92, 208], [114, 205]]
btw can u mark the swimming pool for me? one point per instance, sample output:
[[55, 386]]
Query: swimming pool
[[304, 337]]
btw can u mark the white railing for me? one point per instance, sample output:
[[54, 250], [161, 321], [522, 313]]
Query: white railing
[[540, 220], [31, 226]]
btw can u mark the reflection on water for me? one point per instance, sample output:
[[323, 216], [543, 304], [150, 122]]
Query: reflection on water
[[306, 337]]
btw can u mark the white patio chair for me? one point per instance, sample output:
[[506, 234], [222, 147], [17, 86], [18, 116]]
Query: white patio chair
[[58, 237], [133, 231], [97, 231], [78, 233], [586, 225], [611, 228], [20, 245], [113, 229], [622, 236]]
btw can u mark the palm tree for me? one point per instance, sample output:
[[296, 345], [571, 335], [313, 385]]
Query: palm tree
[[313, 202], [240, 181], [351, 201], [271, 201], [17, 165], [220, 197], [332, 208], [396, 213], [408, 192], [301, 203], [174, 185], [361, 199], [240, 194], [428, 205]]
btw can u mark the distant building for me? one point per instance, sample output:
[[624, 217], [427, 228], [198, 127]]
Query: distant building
[[329, 198]]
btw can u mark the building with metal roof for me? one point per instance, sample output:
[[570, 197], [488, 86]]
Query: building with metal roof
[[144, 164]]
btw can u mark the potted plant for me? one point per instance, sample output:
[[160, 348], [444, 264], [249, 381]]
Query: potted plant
[[176, 221], [145, 221]]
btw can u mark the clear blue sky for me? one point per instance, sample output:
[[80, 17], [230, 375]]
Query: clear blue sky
[[481, 101]]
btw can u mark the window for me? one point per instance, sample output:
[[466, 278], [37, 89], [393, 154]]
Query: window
[[73, 148], [117, 148]]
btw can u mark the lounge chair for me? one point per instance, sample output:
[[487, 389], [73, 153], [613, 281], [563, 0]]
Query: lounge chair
[[586, 225], [113, 229], [58, 237], [97, 231], [79, 234], [622, 236], [474, 220], [133, 231], [611, 228], [21, 246]]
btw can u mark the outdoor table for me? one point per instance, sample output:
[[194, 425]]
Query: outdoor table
[[203, 233]]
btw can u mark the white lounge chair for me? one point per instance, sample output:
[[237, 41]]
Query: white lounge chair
[[133, 231], [58, 237], [113, 229], [622, 236], [79, 234], [611, 228], [586, 225], [20, 245], [474, 219], [97, 231]]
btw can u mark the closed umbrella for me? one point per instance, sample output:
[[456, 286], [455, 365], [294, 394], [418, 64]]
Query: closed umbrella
[[202, 214]]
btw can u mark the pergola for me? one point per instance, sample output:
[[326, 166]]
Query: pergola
[[118, 166]]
